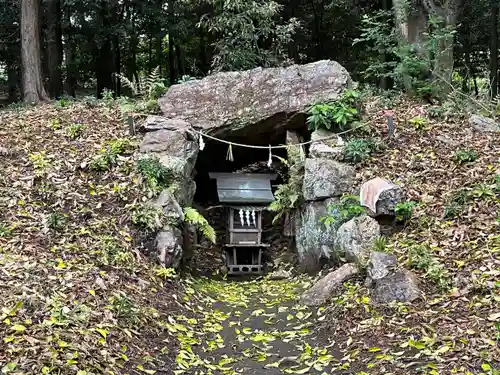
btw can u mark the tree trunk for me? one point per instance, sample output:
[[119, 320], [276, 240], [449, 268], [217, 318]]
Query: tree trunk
[[171, 44], [118, 86], [411, 27], [54, 47], [159, 37], [33, 89], [494, 49], [69, 50], [12, 81]]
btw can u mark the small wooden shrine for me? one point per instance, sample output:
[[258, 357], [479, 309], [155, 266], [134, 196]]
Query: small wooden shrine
[[246, 196]]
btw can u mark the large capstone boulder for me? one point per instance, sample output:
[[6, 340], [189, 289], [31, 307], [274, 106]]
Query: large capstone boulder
[[257, 102], [326, 178], [397, 286], [326, 145], [356, 239], [169, 243], [380, 196], [314, 240], [484, 124], [326, 287]]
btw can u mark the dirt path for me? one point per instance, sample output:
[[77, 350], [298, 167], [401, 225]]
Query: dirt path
[[252, 328]]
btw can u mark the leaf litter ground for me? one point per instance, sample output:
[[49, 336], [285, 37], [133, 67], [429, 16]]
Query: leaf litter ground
[[77, 296]]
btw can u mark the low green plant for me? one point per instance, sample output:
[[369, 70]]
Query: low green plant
[[358, 150], [40, 162], [154, 173], [419, 123], [5, 230], [56, 221], [192, 216], [113, 254], [381, 243], [347, 208], [464, 156], [55, 124], [108, 155], [74, 130], [150, 87], [165, 273], [123, 307], [335, 115], [456, 203], [436, 112], [286, 199], [108, 97], [404, 210], [420, 257], [147, 217], [63, 102], [186, 78], [483, 191]]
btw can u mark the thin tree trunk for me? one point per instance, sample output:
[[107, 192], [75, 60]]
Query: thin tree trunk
[[54, 47], [159, 37], [494, 49], [12, 80], [171, 44], [69, 50], [118, 86], [180, 60], [33, 89]]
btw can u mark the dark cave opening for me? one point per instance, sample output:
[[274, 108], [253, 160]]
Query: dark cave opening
[[213, 158]]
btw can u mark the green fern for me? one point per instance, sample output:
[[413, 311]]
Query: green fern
[[192, 216], [148, 87]]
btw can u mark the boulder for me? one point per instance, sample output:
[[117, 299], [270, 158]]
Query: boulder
[[314, 240], [380, 196], [255, 102], [356, 238], [176, 149], [397, 286], [380, 265], [184, 189], [171, 209], [169, 246], [280, 275], [484, 124], [331, 148], [324, 289], [154, 123], [326, 178]]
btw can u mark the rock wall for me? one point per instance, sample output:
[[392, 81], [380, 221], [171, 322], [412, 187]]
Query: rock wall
[[256, 104]]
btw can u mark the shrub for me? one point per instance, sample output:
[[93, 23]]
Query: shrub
[[419, 123], [286, 198], [73, 131], [56, 221], [154, 173], [347, 208], [108, 156], [336, 115], [147, 217], [420, 257], [404, 210], [358, 150], [464, 156]]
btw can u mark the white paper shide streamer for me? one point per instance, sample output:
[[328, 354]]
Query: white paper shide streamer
[[270, 161], [201, 142]]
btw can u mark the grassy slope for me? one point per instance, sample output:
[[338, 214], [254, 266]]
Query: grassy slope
[[75, 293], [453, 330]]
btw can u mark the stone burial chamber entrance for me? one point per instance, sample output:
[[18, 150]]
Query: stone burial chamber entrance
[[257, 108]]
